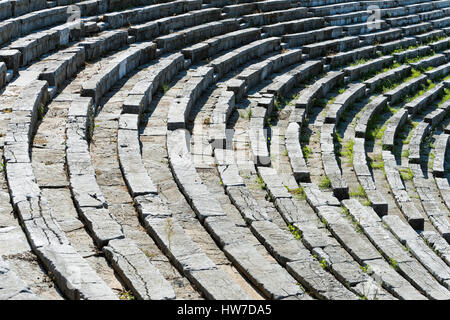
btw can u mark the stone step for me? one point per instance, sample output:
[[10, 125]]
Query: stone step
[[419, 249], [73, 275], [243, 255], [13, 288]]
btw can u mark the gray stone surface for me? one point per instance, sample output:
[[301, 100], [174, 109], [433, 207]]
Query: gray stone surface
[[393, 282], [425, 99], [133, 170], [355, 72], [12, 287], [209, 211], [229, 61], [388, 245], [215, 284], [190, 259], [345, 100], [316, 198], [116, 69], [271, 47], [246, 204], [197, 81], [270, 278], [440, 246], [295, 153], [418, 248], [395, 94], [299, 262], [68, 267], [141, 276], [375, 106]]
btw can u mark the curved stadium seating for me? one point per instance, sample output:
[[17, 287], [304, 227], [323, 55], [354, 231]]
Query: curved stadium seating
[[225, 149]]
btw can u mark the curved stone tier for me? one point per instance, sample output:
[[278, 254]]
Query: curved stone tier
[[221, 149]]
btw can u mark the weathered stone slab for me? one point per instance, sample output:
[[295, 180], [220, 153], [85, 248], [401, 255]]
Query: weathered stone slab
[[274, 184], [13, 288], [216, 285], [140, 275], [418, 248], [248, 207], [393, 282], [231, 60], [270, 278], [172, 240], [102, 225], [74, 276], [438, 244], [343, 58], [135, 174], [397, 120], [317, 198], [298, 260]]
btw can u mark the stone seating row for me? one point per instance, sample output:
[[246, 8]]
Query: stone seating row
[[283, 246], [204, 76], [394, 95], [442, 248], [444, 189], [158, 219], [230, 60], [245, 257], [37, 44], [293, 133], [240, 85], [441, 151], [47, 240], [357, 71], [61, 65], [326, 248], [283, 83], [214, 45], [382, 80], [34, 20], [424, 100], [293, 26], [418, 248], [433, 61], [186, 37], [353, 93], [241, 9], [364, 176], [315, 35], [158, 75], [331, 167], [135, 16], [343, 58], [168, 24], [391, 245], [272, 17], [261, 108], [131, 264], [365, 253], [13, 8], [412, 53], [127, 61], [127, 259], [436, 213], [404, 202], [13, 288], [438, 72], [318, 90], [381, 36]]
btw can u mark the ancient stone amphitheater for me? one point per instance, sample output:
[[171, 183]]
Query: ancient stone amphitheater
[[225, 149]]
